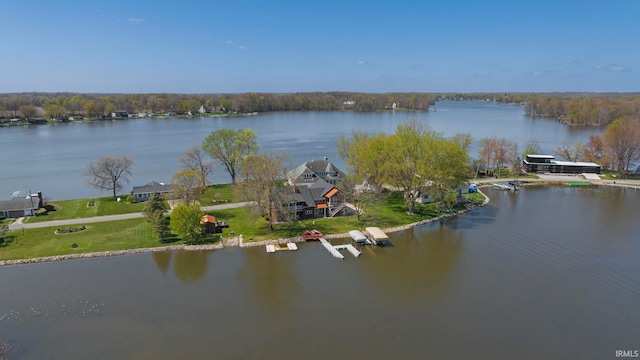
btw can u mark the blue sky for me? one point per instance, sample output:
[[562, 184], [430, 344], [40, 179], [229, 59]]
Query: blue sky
[[293, 46]]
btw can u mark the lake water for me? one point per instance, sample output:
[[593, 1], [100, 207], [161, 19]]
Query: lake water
[[52, 158], [512, 280]]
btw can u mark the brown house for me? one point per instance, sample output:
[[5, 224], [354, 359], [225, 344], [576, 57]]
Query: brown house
[[310, 201]]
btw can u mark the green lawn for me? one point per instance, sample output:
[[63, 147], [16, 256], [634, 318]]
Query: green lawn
[[389, 211], [217, 194], [609, 175], [106, 236], [80, 208]]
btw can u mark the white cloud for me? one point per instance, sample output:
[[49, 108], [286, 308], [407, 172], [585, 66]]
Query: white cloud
[[136, 20], [228, 42], [612, 68], [360, 62], [241, 47]]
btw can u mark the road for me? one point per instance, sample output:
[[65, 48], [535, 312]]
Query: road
[[18, 224]]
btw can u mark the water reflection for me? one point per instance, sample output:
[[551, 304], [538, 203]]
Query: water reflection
[[419, 265], [162, 260], [187, 265], [270, 279]]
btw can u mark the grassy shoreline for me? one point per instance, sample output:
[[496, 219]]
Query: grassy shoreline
[[124, 235]]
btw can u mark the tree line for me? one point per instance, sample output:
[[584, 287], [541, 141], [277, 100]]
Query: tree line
[[617, 149], [55, 105], [581, 109], [571, 108]]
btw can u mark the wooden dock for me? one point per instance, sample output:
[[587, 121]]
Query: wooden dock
[[290, 246]]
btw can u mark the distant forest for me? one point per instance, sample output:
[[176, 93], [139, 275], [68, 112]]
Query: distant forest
[[100, 105], [594, 109]]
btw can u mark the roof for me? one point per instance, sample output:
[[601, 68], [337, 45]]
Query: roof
[[318, 168], [18, 204], [208, 219], [540, 156], [311, 192], [572, 163], [357, 235], [376, 233], [153, 187]]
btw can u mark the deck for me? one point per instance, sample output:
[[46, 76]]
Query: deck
[[308, 235]]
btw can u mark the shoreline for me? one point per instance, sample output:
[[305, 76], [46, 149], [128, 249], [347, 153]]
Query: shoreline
[[232, 242], [238, 241]]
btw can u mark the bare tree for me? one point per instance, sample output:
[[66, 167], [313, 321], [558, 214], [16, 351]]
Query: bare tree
[[28, 111], [185, 185], [109, 173], [194, 159], [570, 152], [595, 150], [622, 138]]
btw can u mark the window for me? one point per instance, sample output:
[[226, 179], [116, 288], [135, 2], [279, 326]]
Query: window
[[308, 212]]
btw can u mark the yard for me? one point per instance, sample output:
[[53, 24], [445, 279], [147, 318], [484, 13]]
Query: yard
[[81, 208], [389, 210], [106, 236]]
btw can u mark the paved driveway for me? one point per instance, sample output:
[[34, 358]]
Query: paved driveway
[[60, 223]]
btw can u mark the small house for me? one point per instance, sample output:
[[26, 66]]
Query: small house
[[144, 193], [120, 114], [15, 208]]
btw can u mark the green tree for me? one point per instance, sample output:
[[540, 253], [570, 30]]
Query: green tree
[[230, 147], [405, 163], [185, 221], [262, 181], [446, 167], [54, 111], [160, 225], [109, 173], [532, 147], [154, 213], [569, 152]]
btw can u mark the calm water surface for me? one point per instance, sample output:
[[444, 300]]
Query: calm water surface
[[53, 157], [547, 273]]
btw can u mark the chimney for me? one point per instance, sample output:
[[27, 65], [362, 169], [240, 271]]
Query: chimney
[[326, 158]]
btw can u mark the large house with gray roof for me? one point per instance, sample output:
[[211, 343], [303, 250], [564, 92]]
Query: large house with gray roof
[[313, 192], [313, 170], [310, 201]]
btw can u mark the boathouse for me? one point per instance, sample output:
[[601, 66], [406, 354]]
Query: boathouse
[[546, 163]]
